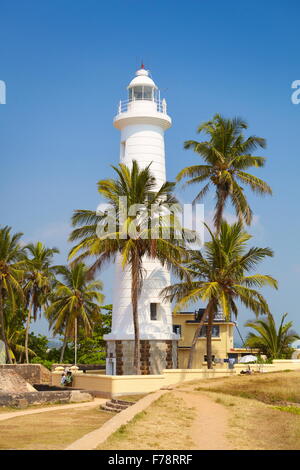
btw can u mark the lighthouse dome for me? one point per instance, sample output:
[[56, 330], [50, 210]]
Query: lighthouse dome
[[142, 79]]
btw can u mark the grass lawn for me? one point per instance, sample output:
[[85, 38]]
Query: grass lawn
[[164, 425], [258, 415], [132, 398], [264, 408], [271, 388], [253, 425], [50, 430]]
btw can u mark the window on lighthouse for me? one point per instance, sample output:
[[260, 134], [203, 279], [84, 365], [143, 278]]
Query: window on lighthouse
[[123, 149], [148, 93], [140, 93], [153, 311]]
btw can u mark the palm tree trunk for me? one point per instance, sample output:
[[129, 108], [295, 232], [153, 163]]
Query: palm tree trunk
[[27, 331], [197, 332], [63, 347], [75, 340], [218, 217], [134, 301], [2, 322], [208, 339]]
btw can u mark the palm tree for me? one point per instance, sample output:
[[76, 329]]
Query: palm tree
[[75, 301], [218, 278], [272, 342], [11, 276], [15, 333], [39, 279], [227, 154], [137, 187]]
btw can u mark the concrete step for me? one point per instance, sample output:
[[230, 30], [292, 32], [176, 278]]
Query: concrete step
[[109, 409], [116, 405], [122, 402]]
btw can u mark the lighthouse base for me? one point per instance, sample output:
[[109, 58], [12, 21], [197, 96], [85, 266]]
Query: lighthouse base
[[156, 355]]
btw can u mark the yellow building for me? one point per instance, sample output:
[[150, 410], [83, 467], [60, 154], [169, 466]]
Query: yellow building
[[185, 324]]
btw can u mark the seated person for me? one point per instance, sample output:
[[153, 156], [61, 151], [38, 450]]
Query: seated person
[[63, 379], [69, 378]]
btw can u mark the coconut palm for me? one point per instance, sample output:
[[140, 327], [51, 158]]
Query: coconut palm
[[273, 342], [11, 276], [38, 282], [130, 236], [75, 301], [227, 154], [220, 277], [15, 333]]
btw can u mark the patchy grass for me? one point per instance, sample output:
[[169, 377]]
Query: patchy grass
[[164, 425], [50, 430], [133, 398], [271, 388], [221, 401], [167, 424], [253, 425], [290, 409]]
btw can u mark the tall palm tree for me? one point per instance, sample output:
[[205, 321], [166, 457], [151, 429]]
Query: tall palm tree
[[38, 282], [137, 187], [15, 333], [218, 278], [226, 154], [11, 276], [271, 341], [75, 301]]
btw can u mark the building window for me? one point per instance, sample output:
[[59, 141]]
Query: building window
[[215, 333], [153, 311], [177, 329]]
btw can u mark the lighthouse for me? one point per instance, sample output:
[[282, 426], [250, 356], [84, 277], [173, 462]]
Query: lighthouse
[[142, 120]]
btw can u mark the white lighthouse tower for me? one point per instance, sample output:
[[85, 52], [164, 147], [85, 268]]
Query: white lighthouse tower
[[142, 120]]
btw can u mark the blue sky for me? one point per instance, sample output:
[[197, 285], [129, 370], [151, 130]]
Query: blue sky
[[66, 64]]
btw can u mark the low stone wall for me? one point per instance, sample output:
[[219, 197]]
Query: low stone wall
[[286, 364], [276, 366], [11, 382], [22, 400], [254, 367], [117, 385], [109, 386], [32, 373]]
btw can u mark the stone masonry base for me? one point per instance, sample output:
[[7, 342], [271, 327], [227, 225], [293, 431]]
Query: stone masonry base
[[156, 355]]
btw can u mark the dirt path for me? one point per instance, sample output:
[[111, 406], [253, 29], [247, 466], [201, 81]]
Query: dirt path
[[16, 414], [210, 427]]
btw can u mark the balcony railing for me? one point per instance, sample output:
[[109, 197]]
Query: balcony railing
[[161, 105], [219, 316]]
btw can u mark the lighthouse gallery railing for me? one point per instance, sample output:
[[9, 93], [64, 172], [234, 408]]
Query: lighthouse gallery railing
[[161, 105]]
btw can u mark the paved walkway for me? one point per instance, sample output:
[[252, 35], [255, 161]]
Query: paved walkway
[[93, 439], [32, 411]]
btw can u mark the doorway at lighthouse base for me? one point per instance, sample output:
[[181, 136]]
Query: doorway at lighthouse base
[[156, 355]]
